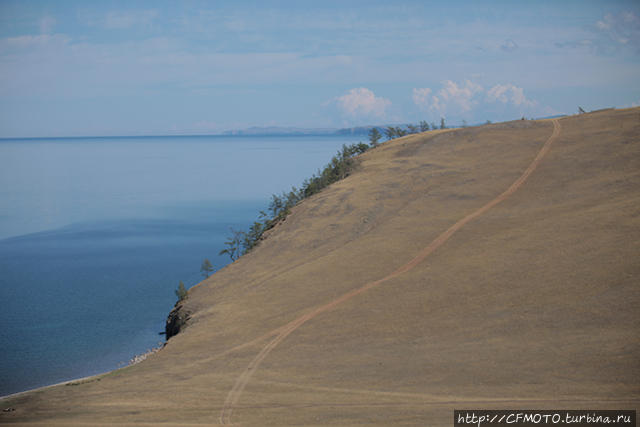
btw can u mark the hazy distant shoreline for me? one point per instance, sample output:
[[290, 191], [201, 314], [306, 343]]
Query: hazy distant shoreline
[[257, 131]]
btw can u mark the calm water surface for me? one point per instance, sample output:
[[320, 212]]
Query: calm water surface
[[96, 233]]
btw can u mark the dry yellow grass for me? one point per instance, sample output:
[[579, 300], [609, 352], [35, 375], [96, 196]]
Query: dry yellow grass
[[533, 303]]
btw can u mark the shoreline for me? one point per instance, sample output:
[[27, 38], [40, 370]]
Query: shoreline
[[44, 387], [138, 358]]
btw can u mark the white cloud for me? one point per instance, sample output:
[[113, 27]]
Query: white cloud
[[421, 96], [460, 96], [498, 93], [622, 29], [508, 93], [468, 98], [609, 35], [362, 102], [509, 45], [453, 97], [423, 99]]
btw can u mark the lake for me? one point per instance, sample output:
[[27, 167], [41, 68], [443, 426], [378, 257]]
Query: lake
[[96, 233]]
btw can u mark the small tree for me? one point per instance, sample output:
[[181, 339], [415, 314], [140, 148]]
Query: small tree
[[464, 123], [424, 126], [374, 137], [181, 292], [276, 205], [206, 268], [442, 125], [252, 238], [360, 148], [581, 110], [400, 132], [390, 132], [292, 198], [433, 126], [233, 243], [412, 128]]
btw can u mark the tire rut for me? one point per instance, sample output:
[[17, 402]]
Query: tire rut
[[283, 332]]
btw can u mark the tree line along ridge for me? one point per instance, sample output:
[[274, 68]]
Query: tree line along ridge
[[339, 167]]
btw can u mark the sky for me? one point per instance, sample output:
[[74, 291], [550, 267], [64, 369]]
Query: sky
[[104, 68]]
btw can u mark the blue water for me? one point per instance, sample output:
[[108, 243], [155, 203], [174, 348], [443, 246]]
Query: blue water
[[96, 233]]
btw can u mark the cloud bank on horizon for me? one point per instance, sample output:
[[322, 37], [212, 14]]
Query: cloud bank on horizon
[[461, 99], [161, 67]]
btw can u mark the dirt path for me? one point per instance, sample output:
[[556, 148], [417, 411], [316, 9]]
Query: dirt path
[[283, 332]]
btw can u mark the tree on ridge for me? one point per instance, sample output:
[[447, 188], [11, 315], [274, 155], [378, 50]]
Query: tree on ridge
[[233, 243], [181, 292], [206, 268], [374, 136]]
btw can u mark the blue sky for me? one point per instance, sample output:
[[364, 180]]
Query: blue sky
[[190, 67]]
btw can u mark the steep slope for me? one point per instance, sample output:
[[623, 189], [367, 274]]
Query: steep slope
[[532, 302]]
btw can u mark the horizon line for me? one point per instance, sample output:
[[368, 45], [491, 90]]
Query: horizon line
[[301, 131]]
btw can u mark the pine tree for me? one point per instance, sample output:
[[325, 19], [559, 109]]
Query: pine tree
[[390, 132], [233, 244], [400, 132], [206, 268], [374, 137], [181, 292]]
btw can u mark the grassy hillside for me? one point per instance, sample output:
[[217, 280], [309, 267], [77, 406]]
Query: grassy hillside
[[531, 303]]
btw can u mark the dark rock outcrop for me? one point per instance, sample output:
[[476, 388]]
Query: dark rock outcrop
[[176, 320]]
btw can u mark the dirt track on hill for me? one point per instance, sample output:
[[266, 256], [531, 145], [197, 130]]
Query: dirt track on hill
[[283, 332]]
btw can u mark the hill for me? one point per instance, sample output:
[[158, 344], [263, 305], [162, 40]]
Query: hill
[[487, 267]]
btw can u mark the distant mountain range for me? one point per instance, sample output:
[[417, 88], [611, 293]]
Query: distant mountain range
[[359, 130], [280, 131]]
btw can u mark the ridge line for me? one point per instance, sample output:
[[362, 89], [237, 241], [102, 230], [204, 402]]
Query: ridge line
[[284, 331]]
